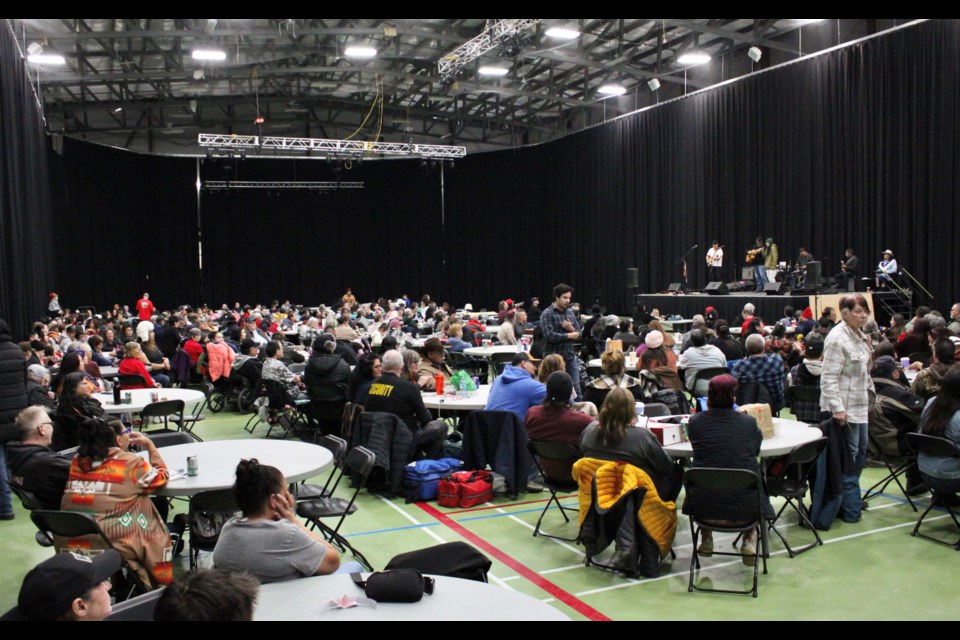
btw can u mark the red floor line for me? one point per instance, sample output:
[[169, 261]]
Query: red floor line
[[504, 506], [567, 598]]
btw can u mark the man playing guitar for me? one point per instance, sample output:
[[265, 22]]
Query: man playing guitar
[[714, 262], [759, 249]]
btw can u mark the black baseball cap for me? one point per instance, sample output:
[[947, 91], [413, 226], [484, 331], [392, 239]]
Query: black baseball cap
[[49, 589]]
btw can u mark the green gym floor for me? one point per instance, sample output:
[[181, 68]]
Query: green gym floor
[[872, 570]]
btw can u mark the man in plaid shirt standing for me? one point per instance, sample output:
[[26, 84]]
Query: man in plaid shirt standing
[[767, 369], [561, 331]]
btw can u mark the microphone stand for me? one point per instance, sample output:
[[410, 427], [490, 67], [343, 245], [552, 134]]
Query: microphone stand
[[683, 261]]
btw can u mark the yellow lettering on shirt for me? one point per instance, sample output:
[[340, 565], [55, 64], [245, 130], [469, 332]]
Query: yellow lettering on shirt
[[381, 390]]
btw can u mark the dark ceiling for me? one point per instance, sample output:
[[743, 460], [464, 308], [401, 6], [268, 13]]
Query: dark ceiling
[[133, 83]]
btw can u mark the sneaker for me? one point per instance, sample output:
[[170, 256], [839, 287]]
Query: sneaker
[[917, 489], [706, 547], [534, 487], [748, 551]]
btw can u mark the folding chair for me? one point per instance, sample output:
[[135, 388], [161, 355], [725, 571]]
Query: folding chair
[[704, 375], [210, 396], [791, 484], [130, 381], [559, 452], [706, 483], [30, 503], [66, 525], [169, 411], [898, 463], [936, 448], [137, 609], [338, 447], [359, 460], [209, 511]]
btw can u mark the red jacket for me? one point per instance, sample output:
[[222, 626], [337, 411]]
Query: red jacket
[[194, 349], [133, 366], [145, 308]]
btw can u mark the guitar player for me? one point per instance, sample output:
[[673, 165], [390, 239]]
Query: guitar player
[[755, 257]]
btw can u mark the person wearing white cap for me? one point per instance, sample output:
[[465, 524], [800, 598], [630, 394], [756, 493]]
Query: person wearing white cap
[[886, 270]]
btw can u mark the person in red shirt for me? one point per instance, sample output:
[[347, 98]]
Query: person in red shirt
[[132, 364], [193, 347], [145, 307]]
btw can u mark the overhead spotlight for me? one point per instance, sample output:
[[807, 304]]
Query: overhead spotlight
[[259, 120], [561, 33], [36, 55], [118, 110], [612, 90], [198, 74], [493, 71], [754, 54], [360, 52], [694, 57], [654, 84], [209, 55]]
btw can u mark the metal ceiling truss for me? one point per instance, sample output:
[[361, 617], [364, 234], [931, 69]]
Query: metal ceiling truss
[[133, 83], [334, 148], [264, 184]]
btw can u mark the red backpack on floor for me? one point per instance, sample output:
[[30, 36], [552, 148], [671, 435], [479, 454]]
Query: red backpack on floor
[[465, 489]]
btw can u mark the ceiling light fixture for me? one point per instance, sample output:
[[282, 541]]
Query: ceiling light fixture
[[694, 57], [561, 33], [360, 52], [211, 55], [754, 53], [612, 90], [493, 71], [36, 55]]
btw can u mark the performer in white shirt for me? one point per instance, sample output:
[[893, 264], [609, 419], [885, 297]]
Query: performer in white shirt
[[714, 262]]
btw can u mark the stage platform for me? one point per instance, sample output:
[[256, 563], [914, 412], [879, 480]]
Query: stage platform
[[769, 308]]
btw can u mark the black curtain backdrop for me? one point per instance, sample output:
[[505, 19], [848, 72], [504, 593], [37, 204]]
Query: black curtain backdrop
[[125, 223], [25, 268], [856, 147]]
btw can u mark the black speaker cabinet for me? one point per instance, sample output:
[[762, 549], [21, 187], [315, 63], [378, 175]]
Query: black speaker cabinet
[[717, 289], [814, 275], [633, 278], [775, 288], [675, 287]]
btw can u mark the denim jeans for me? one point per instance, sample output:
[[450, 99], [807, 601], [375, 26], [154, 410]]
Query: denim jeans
[[573, 369], [6, 497], [857, 444], [760, 275]]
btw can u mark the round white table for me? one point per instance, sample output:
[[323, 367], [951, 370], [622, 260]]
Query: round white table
[[109, 372], [787, 435], [451, 403], [487, 352], [217, 461], [629, 367], [452, 599], [142, 397]]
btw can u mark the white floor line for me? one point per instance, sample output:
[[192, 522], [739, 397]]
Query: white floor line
[[427, 530], [630, 583]]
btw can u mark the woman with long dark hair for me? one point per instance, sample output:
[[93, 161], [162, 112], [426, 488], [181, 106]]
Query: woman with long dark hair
[[76, 405], [615, 436], [114, 485], [367, 370], [268, 540], [941, 418]]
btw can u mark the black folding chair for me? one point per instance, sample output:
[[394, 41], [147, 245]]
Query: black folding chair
[[338, 447], [936, 448], [130, 381], [66, 525], [791, 484], [706, 483], [137, 609], [704, 375], [896, 463], [209, 511], [360, 460], [169, 411], [30, 503], [559, 452]]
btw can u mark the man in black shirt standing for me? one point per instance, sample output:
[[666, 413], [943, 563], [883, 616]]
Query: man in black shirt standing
[[392, 394]]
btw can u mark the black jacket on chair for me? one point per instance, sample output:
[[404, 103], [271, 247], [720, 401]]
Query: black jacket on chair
[[498, 438], [389, 438], [13, 390]]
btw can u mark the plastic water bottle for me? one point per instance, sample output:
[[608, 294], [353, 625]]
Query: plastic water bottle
[[606, 345]]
